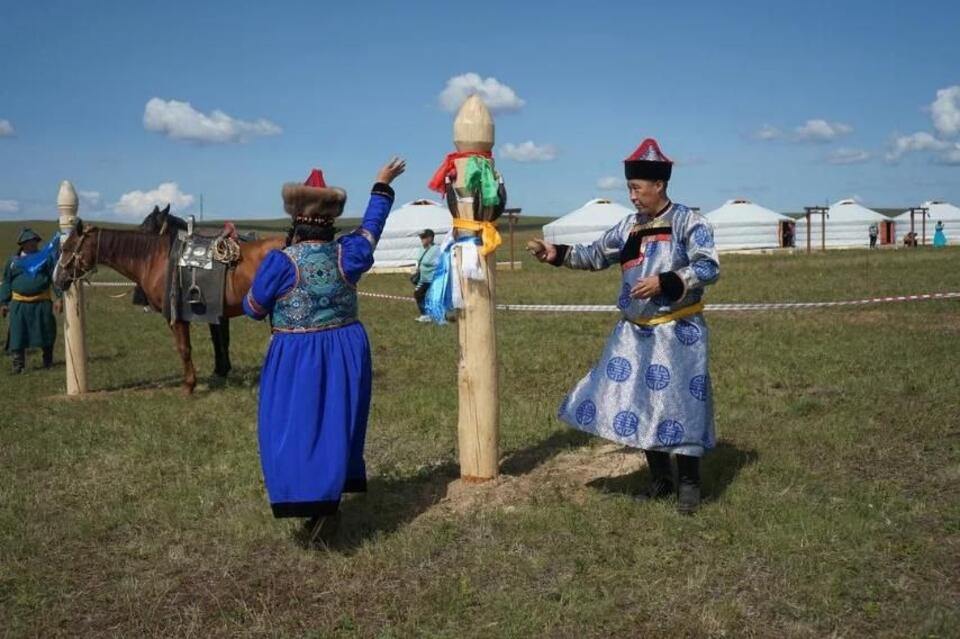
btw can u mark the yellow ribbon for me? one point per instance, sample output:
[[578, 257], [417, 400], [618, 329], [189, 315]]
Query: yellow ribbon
[[686, 311], [489, 234], [29, 299]]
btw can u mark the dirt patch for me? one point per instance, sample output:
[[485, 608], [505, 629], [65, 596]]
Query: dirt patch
[[570, 471]]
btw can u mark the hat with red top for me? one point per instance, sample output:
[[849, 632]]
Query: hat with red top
[[648, 163], [313, 202]]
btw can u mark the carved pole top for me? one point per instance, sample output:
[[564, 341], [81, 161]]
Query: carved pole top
[[473, 128], [67, 197]]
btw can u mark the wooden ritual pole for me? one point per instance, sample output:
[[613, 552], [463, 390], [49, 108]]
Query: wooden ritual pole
[[479, 406], [74, 339]]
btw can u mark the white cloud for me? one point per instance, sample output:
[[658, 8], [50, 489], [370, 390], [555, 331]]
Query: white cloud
[[610, 183], [951, 157], [766, 133], [90, 201], [180, 121], [945, 111], [919, 141], [138, 203], [9, 207], [818, 130], [529, 152], [848, 156], [497, 96], [6, 129]]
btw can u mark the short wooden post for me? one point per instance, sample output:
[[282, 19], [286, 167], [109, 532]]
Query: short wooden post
[[479, 406], [74, 337]]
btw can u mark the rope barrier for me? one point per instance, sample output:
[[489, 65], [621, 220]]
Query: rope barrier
[[605, 308]]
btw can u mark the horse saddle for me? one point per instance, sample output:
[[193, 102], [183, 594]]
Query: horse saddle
[[198, 271]]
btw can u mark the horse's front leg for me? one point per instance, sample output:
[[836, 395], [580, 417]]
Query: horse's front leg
[[181, 333]]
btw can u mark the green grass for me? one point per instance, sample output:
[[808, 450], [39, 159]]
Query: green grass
[[832, 502]]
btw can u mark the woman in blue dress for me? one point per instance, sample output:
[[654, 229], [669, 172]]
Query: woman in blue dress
[[939, 237], [315, 384]]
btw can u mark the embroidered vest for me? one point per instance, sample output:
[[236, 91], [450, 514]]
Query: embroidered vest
[[321, 298]]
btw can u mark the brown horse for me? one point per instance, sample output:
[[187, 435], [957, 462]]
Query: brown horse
[[143, 258]]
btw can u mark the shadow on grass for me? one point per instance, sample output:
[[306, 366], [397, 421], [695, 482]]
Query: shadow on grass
[[523, 461], [389, 504], [720, 468]]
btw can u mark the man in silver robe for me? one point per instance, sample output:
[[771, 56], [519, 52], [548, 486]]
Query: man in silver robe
[[651, 388]]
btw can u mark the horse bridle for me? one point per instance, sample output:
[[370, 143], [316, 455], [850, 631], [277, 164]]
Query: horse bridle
[[75, 263]]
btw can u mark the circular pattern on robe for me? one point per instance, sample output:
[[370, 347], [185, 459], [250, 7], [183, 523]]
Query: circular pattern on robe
[[296, 306], [619, 369], [705, 270], [669, 432], [687, 333], [625, 424], [324, 301], [624, 300], [702, 236], [699, 387], [586, 412], [657, 377], [651, 249]]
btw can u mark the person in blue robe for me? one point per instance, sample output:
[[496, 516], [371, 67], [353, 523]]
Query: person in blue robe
[[651, 388], [939, 237], [316, 379]]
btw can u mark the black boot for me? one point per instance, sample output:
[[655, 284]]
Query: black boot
[[19, 361], [47, 356], [321, 530], [688, 470], [661, 476]]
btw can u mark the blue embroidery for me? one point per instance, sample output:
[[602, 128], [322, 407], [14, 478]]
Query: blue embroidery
[[687, 332], [680, 248], [651, 249], [698, 387], [321, 297], [669, 432], [657, 377], [702, 236], [586, 412], [625, 424], [619, 369], [705, 270], [624, 300], [660, 300]]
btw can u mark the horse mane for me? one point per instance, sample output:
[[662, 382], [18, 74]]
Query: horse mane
[[129, 244]]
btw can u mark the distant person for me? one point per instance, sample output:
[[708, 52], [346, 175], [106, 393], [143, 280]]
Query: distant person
[[939, 238], [910, 239], [427, 259], [874, 232], [316, 380], [26, 296], [651, 388], [787, 235]]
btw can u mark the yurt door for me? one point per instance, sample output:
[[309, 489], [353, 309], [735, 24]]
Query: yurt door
[[787, 234], [886, 233]]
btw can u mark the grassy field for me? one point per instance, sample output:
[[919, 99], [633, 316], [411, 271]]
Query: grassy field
[[832, 501]]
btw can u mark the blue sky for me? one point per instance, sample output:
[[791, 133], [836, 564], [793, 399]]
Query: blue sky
[[831, 86]]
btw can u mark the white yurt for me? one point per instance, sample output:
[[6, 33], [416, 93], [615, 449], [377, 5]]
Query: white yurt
[[937, 210], [848, 226], [743, 225], [400, 241], [586, 224]]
